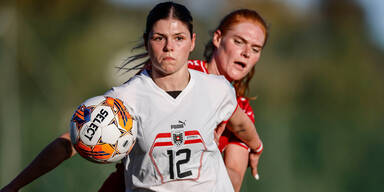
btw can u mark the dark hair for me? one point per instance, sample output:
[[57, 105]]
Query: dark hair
[[235, 17], [160, 11]]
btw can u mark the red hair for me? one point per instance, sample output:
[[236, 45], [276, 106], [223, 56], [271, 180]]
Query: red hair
[[236, 17]]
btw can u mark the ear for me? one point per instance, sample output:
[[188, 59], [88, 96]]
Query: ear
[[193, 41], [216, 40]]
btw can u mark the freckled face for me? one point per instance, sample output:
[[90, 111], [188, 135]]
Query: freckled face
[[169, 45], [238, 50]]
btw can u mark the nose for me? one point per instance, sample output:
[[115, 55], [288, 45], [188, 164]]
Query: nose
[[169, 45], [245, 53]]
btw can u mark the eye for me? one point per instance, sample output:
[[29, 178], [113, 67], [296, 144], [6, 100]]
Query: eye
[[157, 38], [256, 49], [179, 38], [238, 41]]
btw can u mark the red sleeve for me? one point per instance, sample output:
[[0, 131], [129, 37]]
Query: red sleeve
[[246, 107]]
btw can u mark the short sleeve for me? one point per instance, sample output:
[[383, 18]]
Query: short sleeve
[[246, 107], [111, 93], [228, 104]]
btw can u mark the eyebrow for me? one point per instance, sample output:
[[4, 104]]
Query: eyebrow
[[161, 34], [237, 36]]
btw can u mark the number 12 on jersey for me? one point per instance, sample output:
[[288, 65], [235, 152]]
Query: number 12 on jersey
[[180, 162], [178, 156]]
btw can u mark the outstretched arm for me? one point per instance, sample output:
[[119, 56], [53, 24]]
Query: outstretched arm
[[50, 157], [242, 126]]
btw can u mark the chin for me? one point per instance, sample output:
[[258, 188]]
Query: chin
[[235, 77]]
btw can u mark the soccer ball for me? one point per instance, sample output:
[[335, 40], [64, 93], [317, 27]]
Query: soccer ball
[[102, 130]]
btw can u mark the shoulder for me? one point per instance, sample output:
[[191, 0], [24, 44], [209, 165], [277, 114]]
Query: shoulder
[[217, 83], [137, 80], [129, 88]]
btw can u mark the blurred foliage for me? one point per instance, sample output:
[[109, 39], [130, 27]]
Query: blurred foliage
[[319, 88]]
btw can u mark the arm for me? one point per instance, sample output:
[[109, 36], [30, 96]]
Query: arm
[[50, 157], [242, 126], [236, 159], [244, 129]]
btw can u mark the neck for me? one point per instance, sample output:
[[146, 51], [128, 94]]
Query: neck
[[212, 67], [172, 82]]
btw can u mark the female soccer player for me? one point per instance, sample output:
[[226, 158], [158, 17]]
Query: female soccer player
[[233, 52], [168, 163], [178, 111]]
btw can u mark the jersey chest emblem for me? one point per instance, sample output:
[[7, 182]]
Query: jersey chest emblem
[[178, 138]]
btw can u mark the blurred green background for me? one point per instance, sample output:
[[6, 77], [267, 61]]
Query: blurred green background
[[319, 86]]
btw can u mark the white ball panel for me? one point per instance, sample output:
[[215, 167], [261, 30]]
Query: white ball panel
[[110, 134], [124, 143], [116, 158]]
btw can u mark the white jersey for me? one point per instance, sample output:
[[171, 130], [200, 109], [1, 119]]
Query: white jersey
[[175, 148]]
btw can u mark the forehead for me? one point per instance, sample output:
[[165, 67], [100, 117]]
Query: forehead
[[170, 26], [250, 31]]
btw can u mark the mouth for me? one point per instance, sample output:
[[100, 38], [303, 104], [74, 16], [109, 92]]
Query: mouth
[[168, 58], [241, 64]]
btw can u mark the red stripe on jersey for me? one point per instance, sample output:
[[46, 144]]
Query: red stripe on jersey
[[193, 141], [163, 135], [189, 133], [161, 144]]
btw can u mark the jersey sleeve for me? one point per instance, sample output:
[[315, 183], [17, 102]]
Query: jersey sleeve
[[111, 93], [246, 107], [229, 102], [128, 101]]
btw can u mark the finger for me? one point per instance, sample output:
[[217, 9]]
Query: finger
[[220, 129], [254, 161]]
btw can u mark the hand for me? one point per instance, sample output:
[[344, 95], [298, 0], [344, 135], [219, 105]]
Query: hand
[[218, 132], [253, 163], [254, 157]]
